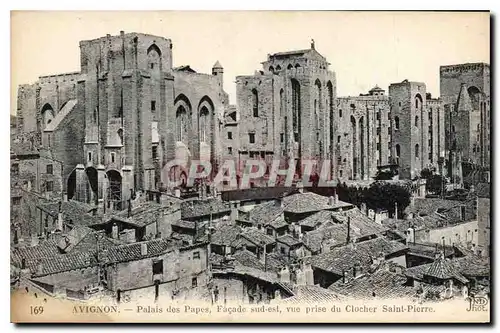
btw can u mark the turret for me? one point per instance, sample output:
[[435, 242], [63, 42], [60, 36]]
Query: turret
[[218, 70]]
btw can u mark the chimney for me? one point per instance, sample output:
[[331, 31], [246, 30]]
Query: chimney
[[65, 197], [114, 231], [331, 201], [395, 210], [23, 263], [410, 235], [177, 192], [462, 213], [343, 277], [300, 186], [144, 249]]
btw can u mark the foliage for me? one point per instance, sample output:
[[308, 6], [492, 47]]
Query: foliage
[[386, 195], [384, 175]]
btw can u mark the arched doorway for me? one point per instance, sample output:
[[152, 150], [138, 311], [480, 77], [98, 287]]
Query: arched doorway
[[71, 185], [114, 191], [92, 185]]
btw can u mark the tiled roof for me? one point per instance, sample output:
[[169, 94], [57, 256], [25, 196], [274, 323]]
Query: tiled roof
[[429, 250], [277, 223], [344, 258], [184, 224], [265, 212], [225, 234], [471, 266], [380, 284], [132, 252], [312, 295], [145, 213], [450, 209], [44, 249], [334, 227], [76, 211], [442, 269], [197, 208], [288, 240], [310, 202], [246, 258], [256, 236], [63, 263], [257, 193]]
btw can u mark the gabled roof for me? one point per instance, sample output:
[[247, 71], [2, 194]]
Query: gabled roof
[[442, 269], [256, 236], [199, 208], [217, 65], [288, 240]]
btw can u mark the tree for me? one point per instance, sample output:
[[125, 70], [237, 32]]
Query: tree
[[435, 184], [382, 195]]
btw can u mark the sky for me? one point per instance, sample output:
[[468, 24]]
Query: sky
[[364, 48]]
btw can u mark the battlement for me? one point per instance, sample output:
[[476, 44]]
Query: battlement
[[64, 77], [460, 68], [124, 35]]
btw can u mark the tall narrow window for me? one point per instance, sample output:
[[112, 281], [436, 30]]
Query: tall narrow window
[[416, 121], [417, 151], [255, 103], [204, 123], [230, 135], [50, 169], [153, 105], [180, 119], [112, 157], [396, 123], [90, 156], [155, 152], [251, 137]]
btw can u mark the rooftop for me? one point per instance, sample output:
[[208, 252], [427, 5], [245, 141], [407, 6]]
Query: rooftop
[[310, 202], [344, 258], [380, 284], [198, 208], [145, 213]]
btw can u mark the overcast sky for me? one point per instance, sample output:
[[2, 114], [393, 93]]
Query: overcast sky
[[364, 48]]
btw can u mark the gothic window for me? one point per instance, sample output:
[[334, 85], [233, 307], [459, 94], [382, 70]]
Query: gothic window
[[204, 122], [180, 117]]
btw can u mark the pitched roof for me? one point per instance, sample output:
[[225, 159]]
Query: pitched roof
[[471, 266], [145, 213], [256, 236], [310, 202], [225, 234], [199, 208], [288, 240], [130, 252], [344, 258], [265, 212], [334, 227], [217, 65], [75, 211], [257, 193], [442, 269], [312, 295], [380, 284]]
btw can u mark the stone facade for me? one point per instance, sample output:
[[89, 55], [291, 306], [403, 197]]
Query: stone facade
[[465, 91], [290, 111], [117, 122], [285, 108]]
